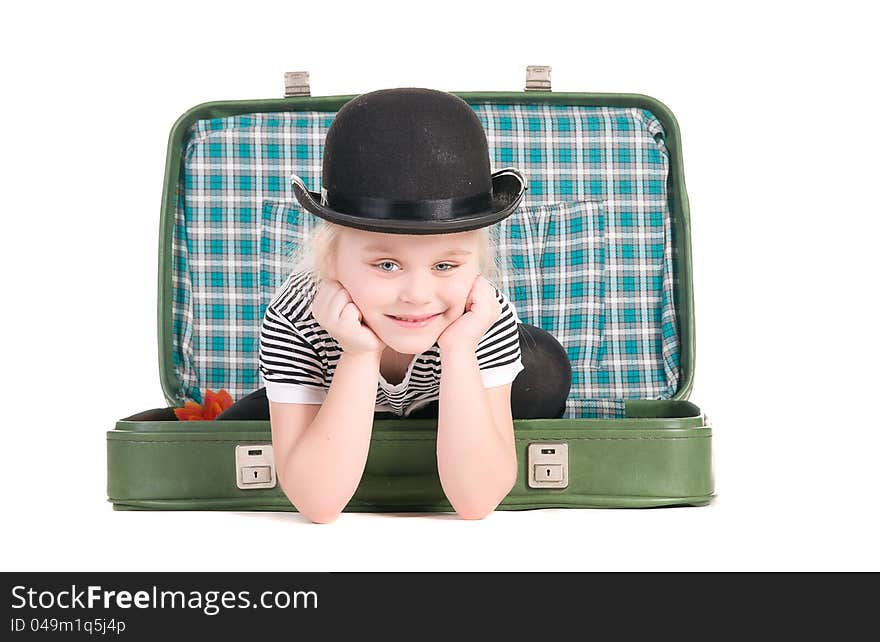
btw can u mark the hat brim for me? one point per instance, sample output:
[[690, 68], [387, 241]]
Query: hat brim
[[508, 187]]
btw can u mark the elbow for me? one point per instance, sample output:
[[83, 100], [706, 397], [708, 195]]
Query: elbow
[[315, 509], [473, 512], [475, 508], [320, 515], [478, 507]]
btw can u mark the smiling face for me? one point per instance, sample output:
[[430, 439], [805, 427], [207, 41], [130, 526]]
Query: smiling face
[[409, 287]]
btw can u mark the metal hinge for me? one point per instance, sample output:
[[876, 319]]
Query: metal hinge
[[538, 78], [296, 83]]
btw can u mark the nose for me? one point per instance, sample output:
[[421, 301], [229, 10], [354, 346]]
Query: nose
[[416, 289]]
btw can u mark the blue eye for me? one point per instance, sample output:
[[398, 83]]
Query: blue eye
[[381, 263], [389, 266]]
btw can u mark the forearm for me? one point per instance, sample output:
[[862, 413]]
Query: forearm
[[326, 465], [477, 466]]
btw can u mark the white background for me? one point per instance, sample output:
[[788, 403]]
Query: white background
[[777, 105]]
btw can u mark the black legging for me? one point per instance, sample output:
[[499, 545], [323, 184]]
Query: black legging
[[538, 392]]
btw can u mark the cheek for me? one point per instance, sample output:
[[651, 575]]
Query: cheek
[[365, 293], [455, 296]]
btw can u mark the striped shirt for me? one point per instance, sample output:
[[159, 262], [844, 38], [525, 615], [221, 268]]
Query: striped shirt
[[298, 357]]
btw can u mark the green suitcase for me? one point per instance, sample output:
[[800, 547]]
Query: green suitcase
[[598, 253]]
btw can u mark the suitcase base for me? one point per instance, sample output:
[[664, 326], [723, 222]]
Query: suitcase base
[[659, 455]]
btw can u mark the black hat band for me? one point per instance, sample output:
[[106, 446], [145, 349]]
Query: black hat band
[[439, 209]]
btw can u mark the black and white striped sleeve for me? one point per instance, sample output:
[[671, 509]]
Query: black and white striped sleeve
[[290, 366], [498, 352]]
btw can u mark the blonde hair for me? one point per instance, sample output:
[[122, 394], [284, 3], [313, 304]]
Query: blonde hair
[[317, 251]]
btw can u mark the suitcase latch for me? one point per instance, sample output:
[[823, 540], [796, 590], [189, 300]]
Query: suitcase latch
[[548, 465], [254, 466]]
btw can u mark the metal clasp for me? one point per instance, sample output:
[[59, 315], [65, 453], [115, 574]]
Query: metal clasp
[[254, 466], [548, 464]]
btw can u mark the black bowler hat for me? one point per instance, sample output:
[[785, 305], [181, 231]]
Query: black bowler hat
[[410, 161]]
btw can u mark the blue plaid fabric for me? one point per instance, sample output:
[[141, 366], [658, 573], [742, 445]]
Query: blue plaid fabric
[[552, 260], [282, 230], [237, 220]]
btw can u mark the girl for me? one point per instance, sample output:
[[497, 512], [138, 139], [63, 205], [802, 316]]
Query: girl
[[390, 311]]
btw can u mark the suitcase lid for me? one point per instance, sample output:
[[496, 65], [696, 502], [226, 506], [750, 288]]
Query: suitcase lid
[[598, 252]]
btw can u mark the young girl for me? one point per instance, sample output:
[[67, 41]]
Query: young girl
[[390, 311]]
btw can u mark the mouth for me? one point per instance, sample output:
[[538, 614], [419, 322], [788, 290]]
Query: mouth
[[413, 321]]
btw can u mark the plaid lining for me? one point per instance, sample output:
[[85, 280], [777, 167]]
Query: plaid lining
[[236, 219], [553, 265], [282, 230]]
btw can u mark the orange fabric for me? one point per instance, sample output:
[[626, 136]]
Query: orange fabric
[[215, 403]]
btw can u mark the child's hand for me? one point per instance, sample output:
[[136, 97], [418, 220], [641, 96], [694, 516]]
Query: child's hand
[[338, 315], [482, 309]]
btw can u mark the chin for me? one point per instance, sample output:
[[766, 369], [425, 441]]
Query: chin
[[413, 345]]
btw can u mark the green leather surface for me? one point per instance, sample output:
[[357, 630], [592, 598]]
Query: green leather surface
[[634, 462]]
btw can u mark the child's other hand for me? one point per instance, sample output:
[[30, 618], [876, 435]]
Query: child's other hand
[[338, 315], [481, 311]]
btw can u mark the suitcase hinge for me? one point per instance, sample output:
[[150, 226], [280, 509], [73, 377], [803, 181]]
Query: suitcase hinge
[[296, 83], [538, 78]]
